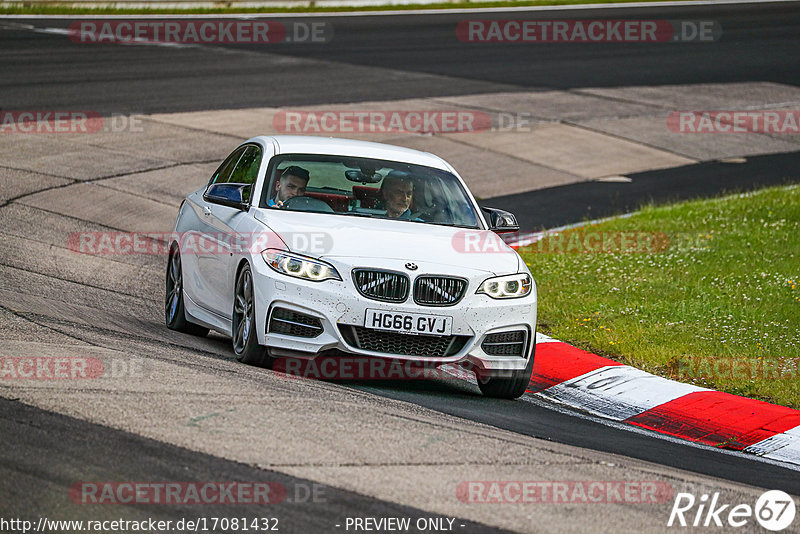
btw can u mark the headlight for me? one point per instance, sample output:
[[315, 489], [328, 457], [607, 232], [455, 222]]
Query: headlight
[[299, 266], [507, 287]]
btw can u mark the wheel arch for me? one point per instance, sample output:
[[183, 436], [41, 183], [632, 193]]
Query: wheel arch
[[239, 267]]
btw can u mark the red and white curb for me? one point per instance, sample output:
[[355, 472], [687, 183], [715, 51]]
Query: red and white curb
[[611, 390]]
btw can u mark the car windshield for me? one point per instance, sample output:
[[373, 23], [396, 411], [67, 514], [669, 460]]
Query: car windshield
[[364, 187]]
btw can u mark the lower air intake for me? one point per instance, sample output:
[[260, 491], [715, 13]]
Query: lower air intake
[[402, 344], [292, 323]]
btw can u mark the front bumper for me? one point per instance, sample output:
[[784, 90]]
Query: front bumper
[[338, 306]]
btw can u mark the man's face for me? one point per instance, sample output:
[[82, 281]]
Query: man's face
[[290, 186], [397, 194]]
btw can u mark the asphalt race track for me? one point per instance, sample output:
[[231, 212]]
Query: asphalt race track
[[374, 449], [760, 43]]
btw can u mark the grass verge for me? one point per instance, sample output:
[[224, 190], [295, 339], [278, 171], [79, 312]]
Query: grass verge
[[705, 292], [33, 9]]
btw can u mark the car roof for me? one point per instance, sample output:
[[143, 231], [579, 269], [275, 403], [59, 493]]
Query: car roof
[[306, 144]]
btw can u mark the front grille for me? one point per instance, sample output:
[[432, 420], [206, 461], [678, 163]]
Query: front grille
[[402, 344], [292, 323], [381, 285], [438, 290], [505, 343]]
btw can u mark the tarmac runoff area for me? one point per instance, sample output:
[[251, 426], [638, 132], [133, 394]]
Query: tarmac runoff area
[[191, 392]]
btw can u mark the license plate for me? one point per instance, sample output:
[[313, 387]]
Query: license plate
[[409, 323]]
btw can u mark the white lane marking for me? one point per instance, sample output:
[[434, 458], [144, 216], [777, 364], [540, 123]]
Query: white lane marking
[[617, 178], [510, 9], [70, 33], [618, 391], [783, 447], [15, 26], [568, 410], [128, 42], [541, 338]]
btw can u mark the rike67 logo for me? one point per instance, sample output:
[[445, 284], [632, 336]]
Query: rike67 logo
[[774, 510]]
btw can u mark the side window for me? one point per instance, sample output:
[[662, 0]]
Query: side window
[[223, 172], [246, 170]]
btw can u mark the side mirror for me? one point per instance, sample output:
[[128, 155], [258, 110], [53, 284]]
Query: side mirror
[[500, 221], [232, 195]]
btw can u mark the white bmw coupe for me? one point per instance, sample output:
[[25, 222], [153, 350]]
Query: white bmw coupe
[[300, 247]]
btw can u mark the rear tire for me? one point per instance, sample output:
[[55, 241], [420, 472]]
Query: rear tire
[[245, 339], [174, 311], [511, 387]]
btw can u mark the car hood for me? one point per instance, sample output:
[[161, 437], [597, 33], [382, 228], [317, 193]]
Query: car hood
[[339, 236]]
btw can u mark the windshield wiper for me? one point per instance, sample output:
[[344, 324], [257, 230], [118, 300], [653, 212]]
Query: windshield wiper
[[354, 214], [453, 225]]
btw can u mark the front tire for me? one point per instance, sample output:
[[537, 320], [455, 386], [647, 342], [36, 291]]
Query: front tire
[[512, 387], [245, 340], [174, 311]]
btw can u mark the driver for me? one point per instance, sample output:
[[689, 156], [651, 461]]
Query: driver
[[292, 183]]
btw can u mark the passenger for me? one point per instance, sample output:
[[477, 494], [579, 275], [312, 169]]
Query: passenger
[[397, 191], [292, 183]]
